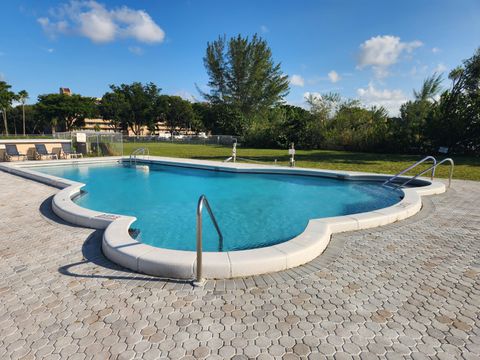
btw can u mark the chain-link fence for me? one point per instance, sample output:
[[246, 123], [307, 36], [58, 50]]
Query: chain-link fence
[[93, 143], [26, 137], [97, 144], [226, 140]]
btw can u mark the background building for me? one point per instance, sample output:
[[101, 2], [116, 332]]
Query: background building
[[105, 125]]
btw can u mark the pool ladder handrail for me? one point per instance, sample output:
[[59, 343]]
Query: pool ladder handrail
[[203, 201], [393, 178], [136, 152], [433, 167]]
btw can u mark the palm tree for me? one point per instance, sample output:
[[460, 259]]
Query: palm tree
[[22, 97], [6, 98], [430, 88], [455, 75]]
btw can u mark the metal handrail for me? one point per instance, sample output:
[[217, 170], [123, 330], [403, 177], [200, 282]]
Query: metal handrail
[[203, 201], [433, 167], [414, 166], [137, 151]]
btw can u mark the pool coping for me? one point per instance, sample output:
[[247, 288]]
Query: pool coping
[[121, 248]]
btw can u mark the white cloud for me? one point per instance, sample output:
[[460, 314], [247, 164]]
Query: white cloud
[[264, 29], [136, 50], [435, 50], [297, 80], [389, 99], [2, 77], [97, 24], [380, 52], [50, 50], [333, 76], [94, 21], [440, 68], [138, 25], [52, 29]]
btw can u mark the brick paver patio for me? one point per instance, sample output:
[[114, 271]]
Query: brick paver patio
[[407, 290]]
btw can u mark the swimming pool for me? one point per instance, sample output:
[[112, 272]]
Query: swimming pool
[[253, 210], [273, 218]]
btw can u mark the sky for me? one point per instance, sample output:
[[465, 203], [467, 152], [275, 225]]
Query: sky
[[374, 51]]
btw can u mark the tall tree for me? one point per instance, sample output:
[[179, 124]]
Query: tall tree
[[455, 74], [410, 127], [113, 108], [178, 113], [22, 97], [133, 105], [243, 74], [34, 123], [324, 106], [432, 86], [6, 99], [356, 128], [220, 118], [455, 123], [65, 112], [413, 117]]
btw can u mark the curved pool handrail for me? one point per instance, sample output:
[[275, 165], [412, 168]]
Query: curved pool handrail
[[137, 151], [203, 201], [390, 180], [433, 167]]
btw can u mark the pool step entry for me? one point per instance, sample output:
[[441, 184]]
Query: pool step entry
[[133, 155], [390, 182], [144, 168], [135, 234]]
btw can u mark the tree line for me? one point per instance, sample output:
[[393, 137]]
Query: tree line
[[246, 98], [126, 107]]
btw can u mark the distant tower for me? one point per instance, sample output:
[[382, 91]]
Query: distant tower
[[65, 91]]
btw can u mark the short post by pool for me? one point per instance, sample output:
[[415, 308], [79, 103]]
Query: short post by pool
[[234, 151], [291, 152]]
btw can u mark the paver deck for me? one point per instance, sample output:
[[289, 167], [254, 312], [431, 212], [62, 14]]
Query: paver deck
[[406, 290]]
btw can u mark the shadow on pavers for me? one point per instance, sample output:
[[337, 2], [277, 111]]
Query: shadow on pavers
[[92, 253]]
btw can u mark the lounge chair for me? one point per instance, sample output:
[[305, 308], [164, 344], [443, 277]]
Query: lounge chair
[[41, 151], [67, 152], [12, 151]]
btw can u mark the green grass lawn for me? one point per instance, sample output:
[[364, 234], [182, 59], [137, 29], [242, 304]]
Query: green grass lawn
[[465, 167]]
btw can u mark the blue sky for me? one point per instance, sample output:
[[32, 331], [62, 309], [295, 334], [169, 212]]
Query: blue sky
[[377, 51]]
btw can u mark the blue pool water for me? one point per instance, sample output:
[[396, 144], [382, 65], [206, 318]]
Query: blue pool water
[[253, 210]]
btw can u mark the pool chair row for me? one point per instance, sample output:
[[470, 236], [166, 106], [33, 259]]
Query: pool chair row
[[41, 152]]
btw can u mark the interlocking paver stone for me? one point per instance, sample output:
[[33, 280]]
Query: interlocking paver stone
[[409, 289]]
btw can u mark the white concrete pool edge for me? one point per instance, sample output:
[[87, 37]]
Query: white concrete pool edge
[[122, 249]]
